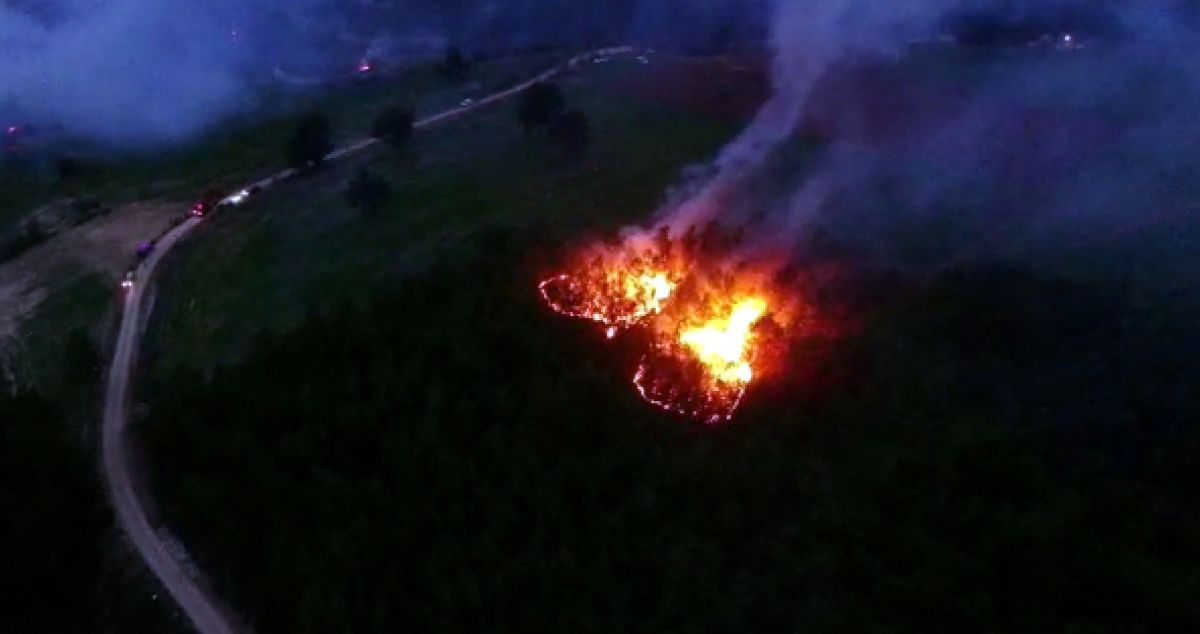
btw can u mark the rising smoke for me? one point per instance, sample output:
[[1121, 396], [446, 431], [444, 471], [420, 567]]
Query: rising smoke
[[931, 151], [124, 71], [808, 39], [152, 71]]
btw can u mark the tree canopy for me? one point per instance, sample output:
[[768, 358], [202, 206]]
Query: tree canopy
[[539, 105], [455, 66], [394, 126], [311, 142]]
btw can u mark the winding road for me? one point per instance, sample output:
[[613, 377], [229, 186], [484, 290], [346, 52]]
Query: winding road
[[197, 601]]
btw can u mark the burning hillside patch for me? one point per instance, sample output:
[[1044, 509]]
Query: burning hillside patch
[[716, 321]]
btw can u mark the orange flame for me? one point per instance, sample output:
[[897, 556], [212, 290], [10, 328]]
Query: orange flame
[[703, 359], [721, 344], [703, 353], [614, 289]]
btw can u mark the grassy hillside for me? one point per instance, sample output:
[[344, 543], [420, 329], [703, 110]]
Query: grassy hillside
[[449, 456], [237, 150], [399, 436], [302, 246], [76, 293], [72, 571]]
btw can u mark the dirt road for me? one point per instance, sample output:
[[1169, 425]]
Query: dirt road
[[197, 601]]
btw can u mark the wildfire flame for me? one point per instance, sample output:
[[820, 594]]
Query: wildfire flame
[[702, 355], [703, 366], [721, 343], [617, 292]]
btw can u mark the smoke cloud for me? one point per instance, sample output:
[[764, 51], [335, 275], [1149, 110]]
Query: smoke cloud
[[891, 139], [130, 71], [150, 72]]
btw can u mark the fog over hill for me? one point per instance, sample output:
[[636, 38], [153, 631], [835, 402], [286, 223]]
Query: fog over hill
[[1037, 125], [137, 72]]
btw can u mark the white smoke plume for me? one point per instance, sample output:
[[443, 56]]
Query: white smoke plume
[[149, 72], [1021, 147], [808, 38]]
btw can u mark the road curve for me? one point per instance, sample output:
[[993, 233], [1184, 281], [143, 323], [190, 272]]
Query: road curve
[[200, 608], [196, 601]]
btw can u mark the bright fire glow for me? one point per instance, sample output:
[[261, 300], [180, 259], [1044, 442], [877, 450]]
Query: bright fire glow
[[702, 363], [704, 341], [721, 344], [616, 292]]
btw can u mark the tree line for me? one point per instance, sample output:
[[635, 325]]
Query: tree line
[[541, 110]]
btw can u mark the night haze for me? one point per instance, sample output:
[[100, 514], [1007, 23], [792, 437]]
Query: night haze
[[625, 316], [134, 72]]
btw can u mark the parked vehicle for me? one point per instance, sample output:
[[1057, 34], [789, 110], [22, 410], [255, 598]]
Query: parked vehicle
[[207, 202], [145, 249]]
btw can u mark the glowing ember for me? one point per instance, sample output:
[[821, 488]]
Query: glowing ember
[[615, 292], [703, 370], [668, 382]]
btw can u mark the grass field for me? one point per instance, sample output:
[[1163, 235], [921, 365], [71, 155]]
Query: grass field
[[82, 301], [451, 456], [301, 247], [77, 296], [250, 145]]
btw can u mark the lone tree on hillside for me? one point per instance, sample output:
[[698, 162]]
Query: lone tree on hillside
[[455, 66], [572, 131], [310, 143], [539, 105], [367, 191], [394, 126]]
